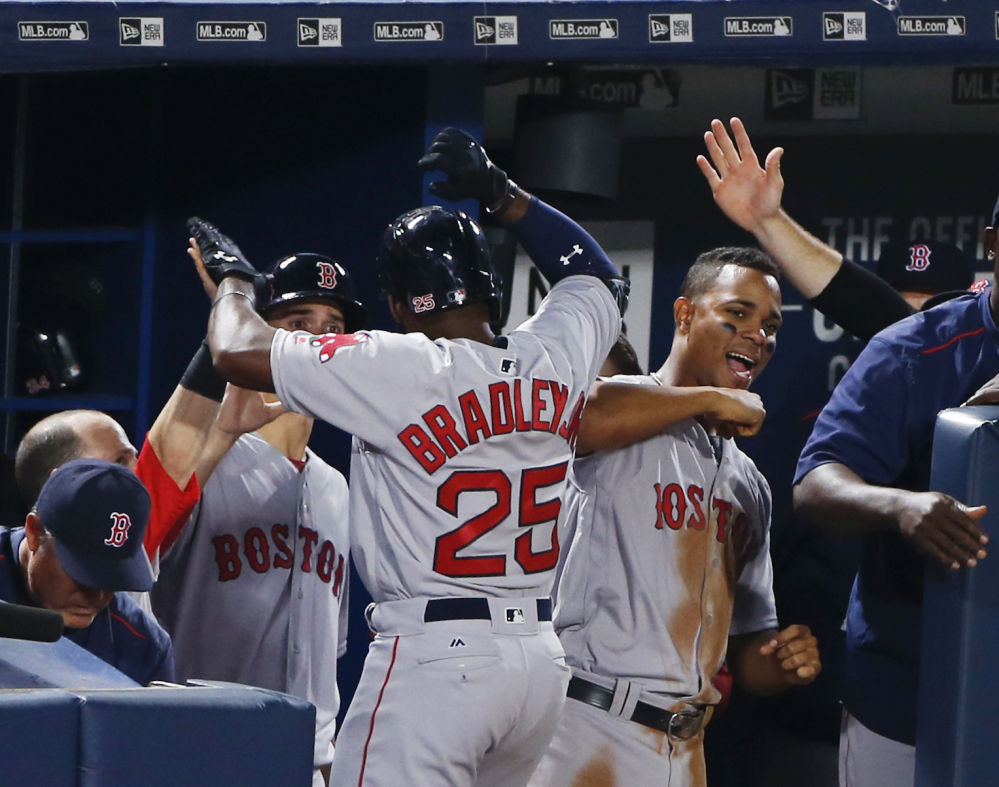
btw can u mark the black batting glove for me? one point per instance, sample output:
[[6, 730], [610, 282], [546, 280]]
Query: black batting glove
[[471, 175], [221, 255]]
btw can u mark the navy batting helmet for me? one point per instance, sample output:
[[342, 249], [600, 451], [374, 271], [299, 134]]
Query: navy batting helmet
[[311, 277], [435, 259]]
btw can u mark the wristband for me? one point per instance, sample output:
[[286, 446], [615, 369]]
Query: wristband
[[200, 376], [249, 297]]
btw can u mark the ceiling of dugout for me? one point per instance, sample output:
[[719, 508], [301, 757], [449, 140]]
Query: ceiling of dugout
[[50, 35]]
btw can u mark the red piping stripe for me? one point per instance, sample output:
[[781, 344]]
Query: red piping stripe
[[371, 730], [124, 622], [948, 344]]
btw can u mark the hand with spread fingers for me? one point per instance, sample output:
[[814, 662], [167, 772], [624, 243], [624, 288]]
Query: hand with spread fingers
[[795, 650], [942, 527], [471, 175], [746, 192], [219, 253]]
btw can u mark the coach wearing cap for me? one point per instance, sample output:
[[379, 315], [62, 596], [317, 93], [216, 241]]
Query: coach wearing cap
[[80, 545]]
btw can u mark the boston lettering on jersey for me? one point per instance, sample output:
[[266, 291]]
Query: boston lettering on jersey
[[672, 505], [257, 551], [513, 406]]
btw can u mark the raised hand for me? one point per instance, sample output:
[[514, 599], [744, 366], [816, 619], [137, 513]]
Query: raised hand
[[746, 192], [471, 175], [220, 255]]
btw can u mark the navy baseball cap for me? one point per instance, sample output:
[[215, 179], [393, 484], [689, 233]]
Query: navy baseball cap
[[924, 266], [97, 513]]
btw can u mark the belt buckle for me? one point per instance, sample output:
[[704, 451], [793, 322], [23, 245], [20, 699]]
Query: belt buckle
[[685, 724]]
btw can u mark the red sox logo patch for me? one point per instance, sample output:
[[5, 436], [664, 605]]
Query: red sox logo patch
[[327, 275], [120, 523], [331, 342], [919, 257]]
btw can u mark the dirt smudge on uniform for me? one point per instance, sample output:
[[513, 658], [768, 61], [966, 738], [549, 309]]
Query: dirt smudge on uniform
[[598, 771], [685, 621]]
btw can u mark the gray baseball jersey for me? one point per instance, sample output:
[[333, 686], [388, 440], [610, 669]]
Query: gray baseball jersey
[[254, 589], [461, 449], [671, 555]]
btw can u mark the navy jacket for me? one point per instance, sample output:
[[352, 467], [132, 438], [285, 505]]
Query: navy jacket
[[122, 634]]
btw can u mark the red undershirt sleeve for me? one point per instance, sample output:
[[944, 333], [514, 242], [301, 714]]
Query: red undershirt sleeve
[[172, 505]]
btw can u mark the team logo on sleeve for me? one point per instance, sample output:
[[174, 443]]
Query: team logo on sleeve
[[331, 342], [120, 523]]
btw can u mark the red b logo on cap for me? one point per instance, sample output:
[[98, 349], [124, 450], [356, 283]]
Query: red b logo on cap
[[919, 257], [327, 275], [120, 523]]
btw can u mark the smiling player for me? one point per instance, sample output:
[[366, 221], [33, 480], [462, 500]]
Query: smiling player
[[669, 568]]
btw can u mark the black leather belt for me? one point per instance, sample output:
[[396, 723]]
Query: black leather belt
[[478, 609], [680, 726]]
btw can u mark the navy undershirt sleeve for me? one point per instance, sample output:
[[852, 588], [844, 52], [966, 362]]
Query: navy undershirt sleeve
[[861, 302], [559, 247]]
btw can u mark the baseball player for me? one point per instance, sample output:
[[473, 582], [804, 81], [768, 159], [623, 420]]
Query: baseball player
[[669, 569], [462, 447], [253, 587]]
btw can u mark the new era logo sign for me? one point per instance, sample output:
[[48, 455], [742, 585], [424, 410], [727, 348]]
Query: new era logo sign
[[670, 28], [320, 32], [495, 30], [140, 31], [847, 26]]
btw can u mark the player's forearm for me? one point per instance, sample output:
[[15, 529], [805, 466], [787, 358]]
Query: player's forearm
[[216, 447], [751, 670], [179, 434], [861, 302], [833, 497], [556, 244], [808, 263], [618, 415], [239, 339]]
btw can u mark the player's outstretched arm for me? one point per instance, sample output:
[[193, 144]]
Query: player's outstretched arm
[[556, 244], [619, 414], [767, 662], [180, 431], [750, 195], [239, 339], [243, 411], [835, 498]]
